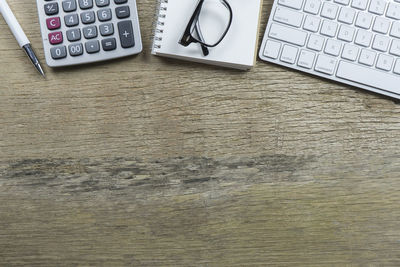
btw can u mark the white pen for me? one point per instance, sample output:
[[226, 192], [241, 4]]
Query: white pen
[[19, 34]]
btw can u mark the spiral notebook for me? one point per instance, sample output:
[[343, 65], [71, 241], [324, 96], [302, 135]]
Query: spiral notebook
[[236, 50]]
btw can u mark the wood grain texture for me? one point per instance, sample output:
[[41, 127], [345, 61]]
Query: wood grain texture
[[146, 161]]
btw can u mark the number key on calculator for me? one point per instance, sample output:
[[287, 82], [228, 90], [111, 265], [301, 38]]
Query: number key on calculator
[[84, 31]]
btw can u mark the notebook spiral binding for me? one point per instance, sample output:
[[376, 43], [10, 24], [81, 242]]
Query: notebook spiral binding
[[159, 21]]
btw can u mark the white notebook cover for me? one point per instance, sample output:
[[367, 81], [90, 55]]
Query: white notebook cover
[[237, 49]]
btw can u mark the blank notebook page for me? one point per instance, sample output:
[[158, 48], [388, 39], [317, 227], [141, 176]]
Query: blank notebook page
[[236, 50]]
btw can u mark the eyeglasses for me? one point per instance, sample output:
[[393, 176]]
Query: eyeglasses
[[208, 25]]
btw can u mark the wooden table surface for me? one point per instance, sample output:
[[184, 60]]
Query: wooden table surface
[[146, 161]]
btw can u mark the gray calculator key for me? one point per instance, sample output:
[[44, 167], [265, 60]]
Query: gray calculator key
[[74, 35], [126, 33], [75, 49], [92, 47], [58, 52], [88, 17], [51, 8], [109, 44], [120, 1], [102, 3], [85, 4], [104, 14], [69, 5], [122, 12], [106, 29], [71, 20], [90, 32]]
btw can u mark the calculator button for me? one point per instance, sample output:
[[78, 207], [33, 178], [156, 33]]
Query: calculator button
[[58, 52], [126, 34], [92, 47], [71, 20], [74, 35], [69, 5], [102, 3], [85, 4], [109, 44], [53, 23], [120, 1], [75, 49], [122, 12], [104, 14], [55, 38], [88, 17], [90, 32], [51, 9], [106, 29]]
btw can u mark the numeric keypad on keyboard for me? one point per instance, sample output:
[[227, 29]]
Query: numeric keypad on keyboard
[[83, 31]]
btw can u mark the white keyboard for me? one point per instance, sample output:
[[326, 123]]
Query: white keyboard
[[356, 42]]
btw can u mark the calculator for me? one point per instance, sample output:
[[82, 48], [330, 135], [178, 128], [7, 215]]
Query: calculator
[[84, 31]]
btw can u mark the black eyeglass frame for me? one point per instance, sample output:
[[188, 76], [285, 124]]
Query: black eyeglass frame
[[188, 38]]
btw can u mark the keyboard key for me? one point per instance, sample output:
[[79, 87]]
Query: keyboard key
[[393, 11], [122, 12], [384, 62], [350, 52], [75, 49], [377, 6], [109, 44], [332, 47], [90, 32], [367, 57], [287, 34], [296, 4], [346, 33], [381, 25], [55, 38], [325, 64], [329, 28], [126, 34], [88, 17], [71, 20], [288, 16], [272, 49], [53, 23], [85, 4], [102, 3], [104, 14], [51, 9], [92, 47], [395, 31], [315, 42], [359, 4], [395, 47], [69, 5], [380, 43], [289, 54], [120, 1], [368, 76], [58, 52], [312, 6], [346, 15], [306, 59], [363, 38], [311, 23], [106, 29], [396, 68], [73, 35], [364, 20], [329, 10]]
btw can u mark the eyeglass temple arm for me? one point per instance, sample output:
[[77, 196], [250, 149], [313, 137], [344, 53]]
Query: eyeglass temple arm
[[204, 48]]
